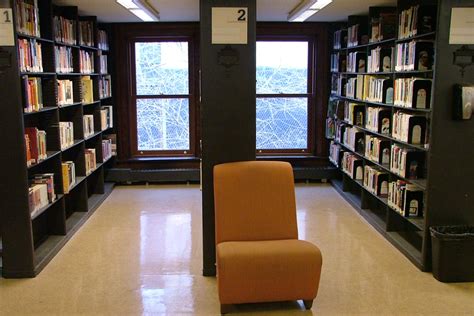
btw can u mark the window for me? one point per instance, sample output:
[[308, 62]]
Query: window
[[162, 98], [284, 96]]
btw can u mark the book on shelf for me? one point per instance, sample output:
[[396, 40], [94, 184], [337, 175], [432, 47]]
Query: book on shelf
[[105, 86], [335, 108], [380, 59], [63, 59], [106, 149], [113, 141], [65, 92], [37, 197], [376, 180], [414, 56], [30, 55], [90, 158], [405, 198], [415, 20], [406, 162], [86, 33], [354, 37], [35, 144], [88, 122], [354, 113], [106, 115], [352, 166], [338, 62], [103, 67], [383, 27], [33, 94], [68, 169], [335, 153], [354, 139], [64, 30], [413, 93], [380, 89], [27, 17], [377, 149], [340, 39], [66, 134], [330, 127], [86, 62], [87, 85], [338, 84], [48, 179], [340, 130], [102, 40], [356, 62], [463, 99], [378, 120], [409, 128]]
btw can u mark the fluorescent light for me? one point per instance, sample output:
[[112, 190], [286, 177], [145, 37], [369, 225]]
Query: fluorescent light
[[127, 4], [306, 8], [142, 15], [320, 4], [142, 9]]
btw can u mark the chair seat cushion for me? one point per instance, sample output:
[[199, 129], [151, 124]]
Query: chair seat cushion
[[265, 271]]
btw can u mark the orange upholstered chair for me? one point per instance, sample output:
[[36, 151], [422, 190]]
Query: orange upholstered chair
[[259, 257]]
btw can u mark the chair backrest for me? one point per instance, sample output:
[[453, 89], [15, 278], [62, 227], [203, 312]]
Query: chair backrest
[[254, 200]]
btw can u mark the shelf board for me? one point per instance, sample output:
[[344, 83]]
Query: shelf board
[[76, 142], [429, 34], [69, 105], [42, 110], [88, 47], [65, 74], [91, 103], [31, 73], [40, 211], [390, 40], [104, 98], [40, 39], [50, 154], [92, 135], [413, 72], [65, 44], [78, 181]]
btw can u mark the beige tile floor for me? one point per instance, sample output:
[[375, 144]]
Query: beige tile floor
[[141, 253]]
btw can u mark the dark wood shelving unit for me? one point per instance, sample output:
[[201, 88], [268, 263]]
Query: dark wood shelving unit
[[32, 239]]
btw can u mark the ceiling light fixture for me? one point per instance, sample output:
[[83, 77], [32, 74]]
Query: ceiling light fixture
[[142, 9], [305, 9]]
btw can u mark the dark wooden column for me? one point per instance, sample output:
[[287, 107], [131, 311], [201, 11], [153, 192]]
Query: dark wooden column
[[227, 109]]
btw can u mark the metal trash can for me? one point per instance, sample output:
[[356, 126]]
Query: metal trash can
[[453, 253]]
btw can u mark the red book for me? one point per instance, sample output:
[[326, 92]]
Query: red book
[[32, 133]]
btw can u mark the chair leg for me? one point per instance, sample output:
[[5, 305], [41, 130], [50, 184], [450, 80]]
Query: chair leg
[[225, 308], [308, 303]]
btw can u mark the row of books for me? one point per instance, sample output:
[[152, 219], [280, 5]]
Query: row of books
[[407, 162], [35, 144], [378, 120], [354, 113], [102, 41], [113, 140], [27, 17], [416, 20], [87, 86], [356, 62], [103, 64], [414, 55], [353, 36], [88, 122], [64, 30], [340, 39], [353, 138], [33, 94], [106, 117], [383, 27], [106, 149], [40, 192], [105, 86], [412, 92], [65, 92], [377, 149], [30, 55], [63, 59], [90, 158], [409, 128], [68, 170], [334, 153], [375, 180], [380, 59], [86, 33], [352, 166], [86, 62], [66, 134], [405, 198]]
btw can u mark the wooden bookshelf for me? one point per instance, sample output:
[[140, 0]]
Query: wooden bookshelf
[[31, 239]]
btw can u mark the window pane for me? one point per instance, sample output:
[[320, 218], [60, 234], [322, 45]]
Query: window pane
[[282, 67], [162, 68], [163, 124], [282, 123]]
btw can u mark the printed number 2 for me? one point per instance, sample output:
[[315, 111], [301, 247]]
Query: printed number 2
[[242, 16], [7, 17]]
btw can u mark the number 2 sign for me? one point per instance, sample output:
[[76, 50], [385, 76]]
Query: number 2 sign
[[229, 25]]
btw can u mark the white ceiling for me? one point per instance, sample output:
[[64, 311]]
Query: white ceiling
[[188, 10]]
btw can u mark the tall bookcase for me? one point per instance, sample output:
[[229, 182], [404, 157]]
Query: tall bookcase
[[58, 78], [380, 118]]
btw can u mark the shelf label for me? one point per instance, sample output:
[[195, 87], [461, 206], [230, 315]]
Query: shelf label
[[6, 27], [462, 26], [229, 25]]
